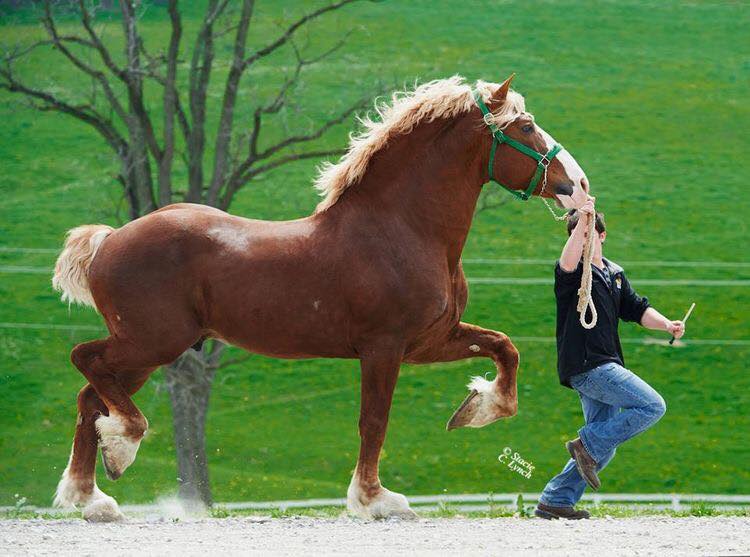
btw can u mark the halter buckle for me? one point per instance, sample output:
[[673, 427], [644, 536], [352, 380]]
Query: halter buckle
[[488, 119], [544, 161]]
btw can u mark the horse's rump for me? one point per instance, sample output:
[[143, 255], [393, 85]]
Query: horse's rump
[[73, 263]]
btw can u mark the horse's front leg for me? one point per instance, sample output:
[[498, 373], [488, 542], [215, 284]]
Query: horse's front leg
[[488, 401], [366, 497]]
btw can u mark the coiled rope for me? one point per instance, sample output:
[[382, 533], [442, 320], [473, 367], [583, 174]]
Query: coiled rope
[[584, 292], [585, 300]]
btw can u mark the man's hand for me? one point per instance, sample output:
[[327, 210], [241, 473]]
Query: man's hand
[[579, 197], [652, 319], [676, 328], [588, 207], [571, 253]]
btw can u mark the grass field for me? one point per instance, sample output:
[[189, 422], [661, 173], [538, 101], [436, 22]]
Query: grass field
[[651, 97]]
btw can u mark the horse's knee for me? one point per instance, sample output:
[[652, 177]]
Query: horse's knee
[[89, 401], [83, 356], [372, 425], [79, 357]]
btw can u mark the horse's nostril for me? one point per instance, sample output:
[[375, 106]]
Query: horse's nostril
[[585, 184], [564, 188]]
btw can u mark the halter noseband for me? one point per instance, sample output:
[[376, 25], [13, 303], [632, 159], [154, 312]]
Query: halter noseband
[[498, 137]]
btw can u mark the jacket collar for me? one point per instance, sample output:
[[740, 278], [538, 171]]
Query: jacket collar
[[614, 268]]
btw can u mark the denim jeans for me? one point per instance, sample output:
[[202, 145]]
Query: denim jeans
[[617, 405]]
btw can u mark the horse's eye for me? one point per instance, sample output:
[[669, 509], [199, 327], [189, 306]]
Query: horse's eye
[[528, 128]]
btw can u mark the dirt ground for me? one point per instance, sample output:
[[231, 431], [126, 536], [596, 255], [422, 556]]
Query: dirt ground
[[315, 536]]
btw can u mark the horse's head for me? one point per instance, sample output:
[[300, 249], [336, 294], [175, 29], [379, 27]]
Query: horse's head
[[525, 159]]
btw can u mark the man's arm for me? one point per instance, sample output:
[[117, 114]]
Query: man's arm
[[652, 319], [573, 250]]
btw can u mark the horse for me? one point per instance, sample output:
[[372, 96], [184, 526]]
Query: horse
[[373, 274]]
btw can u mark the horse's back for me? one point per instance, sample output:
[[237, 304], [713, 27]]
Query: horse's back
[[197, 268]]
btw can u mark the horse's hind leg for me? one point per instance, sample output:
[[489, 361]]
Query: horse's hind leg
[[77, 487], [488, 401], [113, 369]]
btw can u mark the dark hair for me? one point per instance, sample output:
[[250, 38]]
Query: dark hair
[[573, 217]]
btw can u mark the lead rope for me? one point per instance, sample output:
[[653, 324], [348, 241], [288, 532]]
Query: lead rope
[[584, 292]]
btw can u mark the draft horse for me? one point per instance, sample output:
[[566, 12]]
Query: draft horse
[[373, 274]]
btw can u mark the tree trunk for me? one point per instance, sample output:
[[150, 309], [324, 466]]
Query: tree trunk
[[188, 381]]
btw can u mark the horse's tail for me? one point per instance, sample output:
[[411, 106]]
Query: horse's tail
[[72, 267]]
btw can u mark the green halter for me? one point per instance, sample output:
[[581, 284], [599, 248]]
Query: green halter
[[498, 137]]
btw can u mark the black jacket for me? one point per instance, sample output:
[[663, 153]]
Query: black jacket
[[579, 349]]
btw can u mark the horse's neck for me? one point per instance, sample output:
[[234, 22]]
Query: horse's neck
[[431, 179]]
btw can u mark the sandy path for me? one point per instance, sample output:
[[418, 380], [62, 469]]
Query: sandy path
[[315, 536]]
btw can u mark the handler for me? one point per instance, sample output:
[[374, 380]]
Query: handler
[[617, 404]]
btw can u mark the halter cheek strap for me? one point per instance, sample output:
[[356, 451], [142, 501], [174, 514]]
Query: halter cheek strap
[[498, 137]]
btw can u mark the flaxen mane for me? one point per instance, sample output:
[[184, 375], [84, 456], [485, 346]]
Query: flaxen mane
[[442, 98]]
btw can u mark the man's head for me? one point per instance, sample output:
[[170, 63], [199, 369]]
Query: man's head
[[600, 225]]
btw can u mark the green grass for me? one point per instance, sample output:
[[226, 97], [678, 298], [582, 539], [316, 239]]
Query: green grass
[[651, 97], [444, 511]]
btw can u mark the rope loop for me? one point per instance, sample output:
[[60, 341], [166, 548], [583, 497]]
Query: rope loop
[[585, 300]]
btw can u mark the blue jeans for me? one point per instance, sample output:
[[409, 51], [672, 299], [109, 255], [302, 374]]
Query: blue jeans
[[617, 405]]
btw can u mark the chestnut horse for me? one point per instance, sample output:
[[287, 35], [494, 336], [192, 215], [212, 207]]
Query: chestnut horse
[[373, 274]]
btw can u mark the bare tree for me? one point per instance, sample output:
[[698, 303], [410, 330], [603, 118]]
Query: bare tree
[[150, 135]]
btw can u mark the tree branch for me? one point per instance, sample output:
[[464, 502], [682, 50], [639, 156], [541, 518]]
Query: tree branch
[[313, 135], [273, 107], [171, 99], [134, 79], [234, 361], [284, 38], [20, 53], [86, 113], [51, 28], [96, 42], [224, 133], [182, 118], [235, 185], [200, 73]]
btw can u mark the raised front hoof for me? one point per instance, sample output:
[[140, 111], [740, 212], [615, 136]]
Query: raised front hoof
[[118, 447], [103, 508], [482, 407], [385, 504]]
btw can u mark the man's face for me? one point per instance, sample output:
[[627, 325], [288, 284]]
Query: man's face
[[599, 242]]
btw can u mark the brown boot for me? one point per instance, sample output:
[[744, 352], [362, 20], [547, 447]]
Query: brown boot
[[585, 464], [553, 513]]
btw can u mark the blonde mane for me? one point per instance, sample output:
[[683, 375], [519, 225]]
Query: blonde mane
[[442, 98]]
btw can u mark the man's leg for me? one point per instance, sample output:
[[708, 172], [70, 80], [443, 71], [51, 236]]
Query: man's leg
[[566, 489], [616, 386]]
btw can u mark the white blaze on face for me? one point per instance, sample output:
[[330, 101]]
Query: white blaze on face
[[575, 173]]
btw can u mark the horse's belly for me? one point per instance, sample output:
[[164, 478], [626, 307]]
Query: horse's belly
[[282, 318]]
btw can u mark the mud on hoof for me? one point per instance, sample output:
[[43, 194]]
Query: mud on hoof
[[483, 406], [118, 446], [385, 504]]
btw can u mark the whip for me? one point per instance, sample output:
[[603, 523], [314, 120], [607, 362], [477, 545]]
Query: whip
[[687, 315]]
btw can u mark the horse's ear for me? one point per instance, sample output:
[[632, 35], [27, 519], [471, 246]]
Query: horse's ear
[[502, 91]]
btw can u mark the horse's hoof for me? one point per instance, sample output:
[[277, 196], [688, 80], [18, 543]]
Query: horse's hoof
[[102, 508], [386, 504], [482, 407], [118, 448]]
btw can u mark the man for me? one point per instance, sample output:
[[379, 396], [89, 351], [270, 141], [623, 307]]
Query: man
[[617, 404]]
